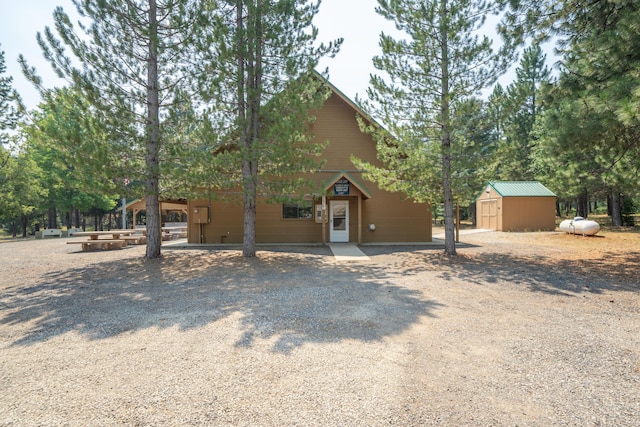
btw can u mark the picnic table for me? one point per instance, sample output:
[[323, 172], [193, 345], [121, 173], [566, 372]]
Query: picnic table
[[116, 239], [116, 234], [169, 233], [174, 232]]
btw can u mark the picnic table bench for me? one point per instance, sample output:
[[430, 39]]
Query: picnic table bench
[[116, 239], [164, 235], [174, 232], [134, 240], [115, 234], [106, 244], [51, 232], [73, 231]]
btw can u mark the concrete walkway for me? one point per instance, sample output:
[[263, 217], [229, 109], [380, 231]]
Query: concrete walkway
[[440, 235], [347, 252]]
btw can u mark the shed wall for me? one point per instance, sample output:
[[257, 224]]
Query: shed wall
[[488, 208], [528, 214], [495, 212]]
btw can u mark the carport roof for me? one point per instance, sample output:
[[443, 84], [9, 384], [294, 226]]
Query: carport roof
[[521, 189]]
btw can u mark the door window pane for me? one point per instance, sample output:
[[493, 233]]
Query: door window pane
[[339, 211]]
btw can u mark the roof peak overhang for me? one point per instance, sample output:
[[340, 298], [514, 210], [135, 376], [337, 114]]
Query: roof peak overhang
[[366, 194]]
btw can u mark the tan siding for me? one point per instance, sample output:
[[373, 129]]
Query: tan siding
[[488, 208], [272, 228], [528, 213], [226, 223], [336, 123], [396, 219]]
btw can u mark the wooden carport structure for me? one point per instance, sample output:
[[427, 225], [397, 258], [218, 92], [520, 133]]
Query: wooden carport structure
[[139, 205]]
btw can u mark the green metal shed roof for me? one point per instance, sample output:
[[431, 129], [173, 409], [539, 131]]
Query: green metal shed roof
[[521, 189]]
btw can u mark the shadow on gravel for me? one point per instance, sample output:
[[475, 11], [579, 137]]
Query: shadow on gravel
[[611, 272], [292, 297]]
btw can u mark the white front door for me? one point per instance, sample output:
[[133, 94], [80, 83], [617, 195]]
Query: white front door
[[339, 220]]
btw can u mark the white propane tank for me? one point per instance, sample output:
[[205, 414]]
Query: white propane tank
[[579, 225]]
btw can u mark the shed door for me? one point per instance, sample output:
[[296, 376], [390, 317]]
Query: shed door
[[339, 221], [489, 214]]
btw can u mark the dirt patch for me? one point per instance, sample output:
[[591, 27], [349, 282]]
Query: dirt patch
[[611, 255], [519, 329]]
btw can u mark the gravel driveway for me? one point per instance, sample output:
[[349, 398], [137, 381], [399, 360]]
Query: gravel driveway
[[503, 334]]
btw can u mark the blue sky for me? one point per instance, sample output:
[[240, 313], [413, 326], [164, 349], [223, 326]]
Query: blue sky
[[354, 20]]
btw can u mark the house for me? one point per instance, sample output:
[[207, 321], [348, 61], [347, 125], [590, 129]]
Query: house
[[347, 207], [516, 206]]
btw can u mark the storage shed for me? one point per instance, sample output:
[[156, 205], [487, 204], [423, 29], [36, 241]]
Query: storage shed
[[516, 206]]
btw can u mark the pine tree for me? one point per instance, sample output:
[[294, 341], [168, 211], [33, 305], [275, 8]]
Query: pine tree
[[22, 188], [262, 86], [521, 106], [132, 56], [67, 141], [598, 93], [441, 63], [8, 111]]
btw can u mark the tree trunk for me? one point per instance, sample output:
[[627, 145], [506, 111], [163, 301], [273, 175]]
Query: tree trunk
[[472, 214], [249, 232], [583, 204], [25, 221], [449, 225], [249, 63], [616, 209], [52, 220], [154, 236]]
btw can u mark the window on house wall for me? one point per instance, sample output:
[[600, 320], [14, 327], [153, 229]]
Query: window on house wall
[[302, 210]]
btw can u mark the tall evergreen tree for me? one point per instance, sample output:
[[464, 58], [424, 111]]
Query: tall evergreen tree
[[521, 107], [68, 141], [132, 56], [473, 152], [263, 88], [21, 183], [599, 82], [8, 111], [433, 71]]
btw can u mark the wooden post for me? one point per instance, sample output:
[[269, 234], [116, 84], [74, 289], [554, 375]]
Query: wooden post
[[457, 223], [359, 219], [124, 213], [324, 219]]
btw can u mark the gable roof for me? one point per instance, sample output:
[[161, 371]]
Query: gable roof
[[344, 174], [521, 189], [349, 102]]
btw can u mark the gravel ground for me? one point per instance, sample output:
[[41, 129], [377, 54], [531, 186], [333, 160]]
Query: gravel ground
[[516, 330]]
